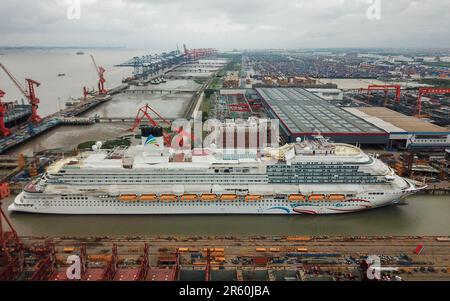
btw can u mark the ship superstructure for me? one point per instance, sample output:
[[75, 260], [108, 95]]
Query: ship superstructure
[[305, 177]]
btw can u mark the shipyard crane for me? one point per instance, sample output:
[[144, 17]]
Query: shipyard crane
[[425, 91], [197, 53], [208, 265], [386, 89], [11, 250], [101, 77], [3, 129], [144, 266], [46, 267], [30, 94], [145, 111], [111, 268]]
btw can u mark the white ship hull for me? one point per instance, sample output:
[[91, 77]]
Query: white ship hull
[[34, 203]]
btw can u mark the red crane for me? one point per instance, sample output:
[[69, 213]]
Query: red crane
[[3, 129], [386, 89], [239, 107], [35, 118], [195, 54], [144, 266], [208, 265], [30, 94], [424, 91], [101, 77], [11, 250], [111, 268], [177, 265], [145, 111], [47, 266]]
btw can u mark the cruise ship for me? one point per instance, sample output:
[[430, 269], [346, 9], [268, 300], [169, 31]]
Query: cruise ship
[[306, 177]]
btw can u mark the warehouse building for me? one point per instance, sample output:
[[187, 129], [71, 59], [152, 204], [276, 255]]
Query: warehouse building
[[304, 114], [328, 94], [405, 132]]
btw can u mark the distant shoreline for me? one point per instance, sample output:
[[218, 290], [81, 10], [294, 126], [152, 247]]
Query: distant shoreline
[[57, 47]]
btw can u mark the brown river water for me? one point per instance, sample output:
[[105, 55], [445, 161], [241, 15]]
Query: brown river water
[[422, 215]]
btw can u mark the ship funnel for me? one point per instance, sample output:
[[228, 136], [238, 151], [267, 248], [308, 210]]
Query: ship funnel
[[152, 137]]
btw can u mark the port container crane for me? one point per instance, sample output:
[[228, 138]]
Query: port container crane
[[425, 91], [30, 94], [195, 54], [101, 77]]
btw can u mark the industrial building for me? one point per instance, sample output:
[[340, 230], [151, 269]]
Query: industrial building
[[304, 114], [405, 132], [328, 94]]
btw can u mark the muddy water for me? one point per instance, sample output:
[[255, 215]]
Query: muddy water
[[68, 137], [423, 215]]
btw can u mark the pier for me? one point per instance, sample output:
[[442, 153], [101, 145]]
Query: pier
[[137, 90], [63, 117]]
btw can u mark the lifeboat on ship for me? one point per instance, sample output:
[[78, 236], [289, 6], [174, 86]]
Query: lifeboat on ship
[[317, 197], [148, 197], [128, 197], [253, 197], [296, 197], [168, 197], [336, 197], [208, 197], [228, 197], [188, 197]]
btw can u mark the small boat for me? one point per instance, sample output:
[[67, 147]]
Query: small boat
[[80, 53], [148, 197], [296, 197], [168, 197], [61, 74]]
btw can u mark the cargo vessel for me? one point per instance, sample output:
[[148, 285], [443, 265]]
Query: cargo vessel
[[306, 177]]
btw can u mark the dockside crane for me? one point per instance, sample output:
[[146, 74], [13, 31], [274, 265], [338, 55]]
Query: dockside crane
[[30, 94], [12, 261], [46, 267], [386, 89], [197, 53], [144, 266], [208, 265], [3, 129], [101, 77], [425, 91], [146, 112], [111, 267]]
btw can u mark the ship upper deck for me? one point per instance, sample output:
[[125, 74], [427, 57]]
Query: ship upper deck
[[139, 158]]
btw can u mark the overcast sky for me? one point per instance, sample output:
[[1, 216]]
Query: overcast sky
[[161, 24]]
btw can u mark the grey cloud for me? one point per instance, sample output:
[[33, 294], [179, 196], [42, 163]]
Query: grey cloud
[[227, 24]]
